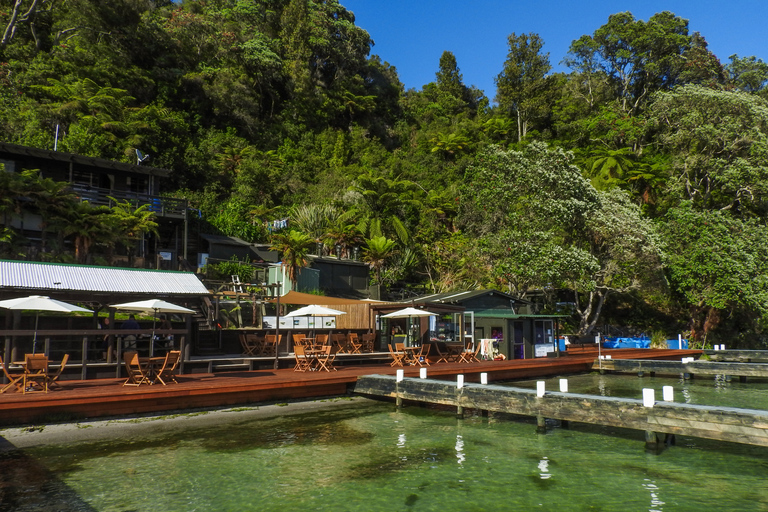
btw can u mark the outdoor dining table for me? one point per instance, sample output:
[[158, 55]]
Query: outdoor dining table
[[410, 354], [454, 351], [152, 364]]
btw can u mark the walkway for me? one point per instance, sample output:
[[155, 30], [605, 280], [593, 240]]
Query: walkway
[[107, 397]]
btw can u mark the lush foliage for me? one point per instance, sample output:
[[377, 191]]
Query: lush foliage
[[637, 177]]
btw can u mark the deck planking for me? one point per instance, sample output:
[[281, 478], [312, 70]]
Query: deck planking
[[83, 399]]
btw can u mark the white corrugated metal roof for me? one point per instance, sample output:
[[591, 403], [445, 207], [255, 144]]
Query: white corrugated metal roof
[[24, 275]]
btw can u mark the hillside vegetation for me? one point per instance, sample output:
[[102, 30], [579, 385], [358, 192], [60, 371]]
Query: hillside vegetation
[[635, 186]]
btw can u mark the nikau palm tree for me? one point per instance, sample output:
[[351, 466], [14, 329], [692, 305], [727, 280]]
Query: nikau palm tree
[[293, 247]]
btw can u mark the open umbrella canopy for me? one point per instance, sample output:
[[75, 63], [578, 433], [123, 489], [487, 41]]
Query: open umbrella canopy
[[152, 306], [41, 303], [408, 312], [315, 310]]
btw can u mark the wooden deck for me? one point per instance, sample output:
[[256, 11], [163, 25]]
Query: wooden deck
[[107, 397]]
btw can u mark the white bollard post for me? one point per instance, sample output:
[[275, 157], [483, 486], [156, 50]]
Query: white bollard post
[[722, 347], [649, 397], [459, 381], [540, 388], [716, 347], [680, 341], [399, 377], [563, 385], [608, 356], [669, 393], [423, 373], [483, 378]]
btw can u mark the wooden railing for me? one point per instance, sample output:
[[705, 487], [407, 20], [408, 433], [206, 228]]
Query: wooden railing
[[162, 206]]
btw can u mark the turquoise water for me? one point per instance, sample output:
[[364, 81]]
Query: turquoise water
[[703, 390], [368, 456]]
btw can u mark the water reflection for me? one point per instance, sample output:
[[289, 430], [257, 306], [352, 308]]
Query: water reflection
[[653, 489], [460, 458], [544, 469]]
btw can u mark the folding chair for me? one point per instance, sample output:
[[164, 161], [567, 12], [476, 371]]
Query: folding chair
[[397, 357], [14, 379], [469, 354], [368, 342], [137, 374], [167, 372], [298, 339], [321, 339], [326, 357], [53, 380], [354, 343], [237, 286], [422, 357], [303, 361], [35, 372], [270, 345], [442, 357]]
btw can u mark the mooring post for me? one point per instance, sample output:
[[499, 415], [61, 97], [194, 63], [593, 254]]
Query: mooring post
[[651, 440], [541, 424], [398, 380]]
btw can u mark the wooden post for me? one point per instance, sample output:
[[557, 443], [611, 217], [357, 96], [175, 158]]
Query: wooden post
[[84, 367]]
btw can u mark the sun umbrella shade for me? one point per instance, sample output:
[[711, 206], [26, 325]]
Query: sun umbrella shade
[[152, 306], [41, 303], [315, 310], [408, 312]]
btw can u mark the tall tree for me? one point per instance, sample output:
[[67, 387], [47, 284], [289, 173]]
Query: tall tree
[[522, 84], [293, 247], [749, 74], [639, 57], [448, 77]]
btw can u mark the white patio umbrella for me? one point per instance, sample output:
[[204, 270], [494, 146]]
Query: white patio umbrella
[[408, 313], [39, 303], [153, 306], [315, 310]]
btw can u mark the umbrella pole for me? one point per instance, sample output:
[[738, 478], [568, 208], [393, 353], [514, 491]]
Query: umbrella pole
[[34, 339], [152, 339]]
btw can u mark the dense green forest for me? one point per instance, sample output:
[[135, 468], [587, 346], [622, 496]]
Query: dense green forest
[[635, 185]]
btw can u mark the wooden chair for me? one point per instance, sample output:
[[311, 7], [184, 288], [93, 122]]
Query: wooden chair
[[167, 372], [303, 361], [299, 339], [271, 341], [36, 372], [249, 348], [15, 378], [53, 381], [442, 357], [368, 341], [397, 356], [469, 354], [326, 357], [137, 373], [354, 344], [321, 339], [339, 341], [421, 357]]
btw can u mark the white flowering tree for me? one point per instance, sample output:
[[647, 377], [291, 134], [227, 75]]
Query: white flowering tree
[[541, 225]]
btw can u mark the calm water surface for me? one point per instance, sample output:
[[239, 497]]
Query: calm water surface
[[367, 456]]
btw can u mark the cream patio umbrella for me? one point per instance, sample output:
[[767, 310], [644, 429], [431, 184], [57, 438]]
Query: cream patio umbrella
[[153, 307], [408, 313], [39, 303], [315, 310]]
